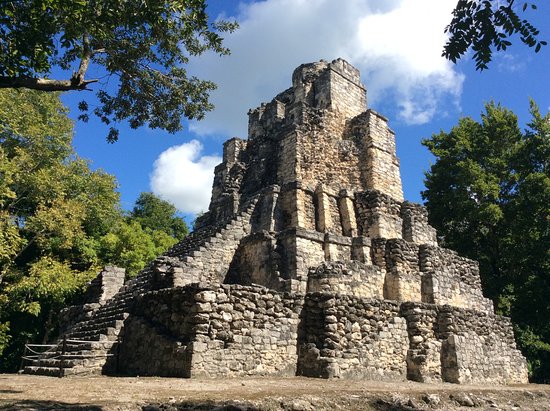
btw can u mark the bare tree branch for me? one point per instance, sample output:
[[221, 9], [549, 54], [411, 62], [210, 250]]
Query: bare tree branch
[[44, 84]]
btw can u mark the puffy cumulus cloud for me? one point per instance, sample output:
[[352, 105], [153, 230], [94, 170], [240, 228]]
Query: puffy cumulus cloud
[[184, 177], [396, 44], [402, 56]]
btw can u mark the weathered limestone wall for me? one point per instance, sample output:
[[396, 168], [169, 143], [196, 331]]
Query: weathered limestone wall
[[334, 86], [200, 331], [348, 94], [323, 209], [227, 180], [347, 278], [421, 272], [379, 215], [107, 283], [324, 156], [403, 279], [328, 213], [267, 215], [479, 348], [288, 141], [378, 160], [246, 331], [337, 247], [147, 350], [232, 330], [299, 249], [450, 279], [461, 346], [415, 224], [263, 161], [346, 208], [157, 336], [297, 207], [257, 261], [269, 116], [424, 354], [349, 337]]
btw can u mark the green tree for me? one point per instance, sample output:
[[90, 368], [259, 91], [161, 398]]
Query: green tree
[[142, 45], [60, 221], [150, 229], [487, 25], [488, 193], [131, 246], [157, 214], [53, 212]]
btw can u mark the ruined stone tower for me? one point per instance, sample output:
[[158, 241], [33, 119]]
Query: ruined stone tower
[[307, 262]]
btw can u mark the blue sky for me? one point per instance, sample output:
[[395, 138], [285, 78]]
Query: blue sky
[[395, 44]]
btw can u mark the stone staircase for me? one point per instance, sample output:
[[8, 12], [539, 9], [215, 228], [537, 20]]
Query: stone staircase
[[200, 240], [90, 346]]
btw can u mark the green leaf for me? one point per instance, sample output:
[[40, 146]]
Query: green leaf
[[145, 45]]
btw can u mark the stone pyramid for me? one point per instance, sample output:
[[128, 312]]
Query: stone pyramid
[[308, 262]]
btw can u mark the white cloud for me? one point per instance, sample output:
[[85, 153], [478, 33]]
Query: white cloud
[[184, 177], [509, 63], [395, 44]]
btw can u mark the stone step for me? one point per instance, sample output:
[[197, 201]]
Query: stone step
[[55, 371], [57, 363], [117, 312], [98, 320], [118, 306], [90, 346], [102, 334], [82, 370], [111, 315], [92, 337], [75, 354], [37, 370], [99, 323]]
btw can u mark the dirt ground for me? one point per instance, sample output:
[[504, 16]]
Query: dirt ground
[[25, 392]]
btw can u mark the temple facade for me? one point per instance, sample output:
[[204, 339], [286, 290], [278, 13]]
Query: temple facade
[[308, 262]]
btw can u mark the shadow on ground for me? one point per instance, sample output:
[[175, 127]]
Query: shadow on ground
[[60, 406], [384, 405], [199, 406], [46, 406]]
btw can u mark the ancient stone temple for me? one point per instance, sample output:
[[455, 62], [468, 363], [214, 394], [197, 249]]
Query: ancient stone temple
[[308, 262]]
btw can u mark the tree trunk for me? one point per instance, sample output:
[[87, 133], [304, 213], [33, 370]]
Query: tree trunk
[[43, 84]]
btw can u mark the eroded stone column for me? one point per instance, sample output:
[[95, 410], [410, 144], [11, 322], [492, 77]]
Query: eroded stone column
[[324, 218], [347, 213]]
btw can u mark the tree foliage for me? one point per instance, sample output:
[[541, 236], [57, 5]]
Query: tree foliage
[[146, 232], [488, 193], [157, 214], [487, 25], [132, 246], [141, 46], [51, 206], [59, 221]]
